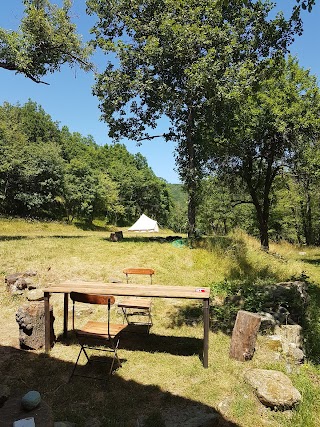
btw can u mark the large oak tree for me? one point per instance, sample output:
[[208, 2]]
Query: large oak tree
[[181, 59]]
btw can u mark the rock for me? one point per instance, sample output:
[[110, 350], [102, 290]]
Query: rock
[[12, 278], [292, 342], [12, 410], [30, 318], [35, 295], [290, 334], [4, 394], [273, 388], [274, 343], [21, 284], [268, 322], [19, 281], [31, 400], [296, 354]]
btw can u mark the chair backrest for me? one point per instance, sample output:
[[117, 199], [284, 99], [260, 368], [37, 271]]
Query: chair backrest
[[92, 299], [142, 271]]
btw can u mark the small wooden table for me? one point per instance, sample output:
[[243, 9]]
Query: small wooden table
[[124, 289]]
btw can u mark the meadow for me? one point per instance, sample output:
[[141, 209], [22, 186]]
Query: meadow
[[162, 380]]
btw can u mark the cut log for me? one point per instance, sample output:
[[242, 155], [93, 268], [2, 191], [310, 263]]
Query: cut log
[[113, 237], [244, 335], [119, 235]]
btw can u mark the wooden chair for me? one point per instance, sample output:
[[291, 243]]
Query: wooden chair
[[136, 307], [95, 335]]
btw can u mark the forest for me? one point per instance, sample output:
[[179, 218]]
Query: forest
[[50, 173], [47, 172]]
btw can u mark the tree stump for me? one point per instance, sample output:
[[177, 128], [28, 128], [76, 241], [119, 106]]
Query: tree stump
[[119, 235], [244, 335], [113, 237], [30, 318]]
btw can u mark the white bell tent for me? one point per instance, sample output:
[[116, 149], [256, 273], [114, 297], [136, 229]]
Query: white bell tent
[[145, 223]]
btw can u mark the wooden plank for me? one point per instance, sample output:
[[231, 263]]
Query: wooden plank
[[146, 271], [131, 290]]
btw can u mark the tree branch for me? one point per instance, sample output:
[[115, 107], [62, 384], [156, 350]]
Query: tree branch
[[235, 203], [150, 137], [12, 67]]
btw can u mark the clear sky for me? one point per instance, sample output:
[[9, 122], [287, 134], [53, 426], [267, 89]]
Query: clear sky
[[68, 98]]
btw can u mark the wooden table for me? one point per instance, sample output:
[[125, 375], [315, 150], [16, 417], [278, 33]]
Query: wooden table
[[124, 289]]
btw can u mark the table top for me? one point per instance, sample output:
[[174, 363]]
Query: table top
[[125, 289]]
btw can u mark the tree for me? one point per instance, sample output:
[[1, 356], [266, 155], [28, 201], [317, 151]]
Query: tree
[[140, 191], [46, 39], [180, 59], [31, 172], [274, 121], [88, 193], [218, 211]]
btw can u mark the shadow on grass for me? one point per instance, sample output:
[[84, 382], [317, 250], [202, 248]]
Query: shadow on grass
[[12, 238], [115, 402], [149, 239], [136, 340], [311, 261]]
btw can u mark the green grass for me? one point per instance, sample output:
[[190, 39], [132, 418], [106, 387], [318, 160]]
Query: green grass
[[162, 373]]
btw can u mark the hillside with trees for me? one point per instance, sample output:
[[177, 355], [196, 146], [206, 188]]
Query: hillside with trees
[[48, 172]]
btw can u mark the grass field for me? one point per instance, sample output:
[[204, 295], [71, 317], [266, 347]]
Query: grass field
[[162, 378]]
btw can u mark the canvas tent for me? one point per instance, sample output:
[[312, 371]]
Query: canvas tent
[[145, 223]]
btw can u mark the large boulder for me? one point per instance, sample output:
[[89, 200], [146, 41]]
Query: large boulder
[[273, 388]]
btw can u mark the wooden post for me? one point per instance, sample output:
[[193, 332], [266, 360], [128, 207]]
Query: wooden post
[[65, 315], [244, 335], [206, 308], [47, 343]]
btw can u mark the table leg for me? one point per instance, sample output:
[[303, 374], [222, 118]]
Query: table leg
[[65, 315], [47, 343], [205, 332]]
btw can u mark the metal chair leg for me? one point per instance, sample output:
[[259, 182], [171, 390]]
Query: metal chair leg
[[76, 364]]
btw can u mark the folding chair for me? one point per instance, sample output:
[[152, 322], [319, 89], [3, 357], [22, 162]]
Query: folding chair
[[94, 335], [136, 307]]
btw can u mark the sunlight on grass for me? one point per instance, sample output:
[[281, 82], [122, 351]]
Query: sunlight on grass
[[162, 370]]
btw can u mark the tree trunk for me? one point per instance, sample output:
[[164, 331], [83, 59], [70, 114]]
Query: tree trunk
[[191, 177], [308, 221], [244, 335], [264, 234]]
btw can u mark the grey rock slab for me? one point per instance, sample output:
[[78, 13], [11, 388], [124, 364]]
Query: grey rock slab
[[35, 295], [273, 388]]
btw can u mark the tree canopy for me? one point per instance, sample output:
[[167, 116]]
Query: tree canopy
[[45, 40], [183, 60]]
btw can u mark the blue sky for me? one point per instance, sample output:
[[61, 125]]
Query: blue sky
[[68, 98]]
